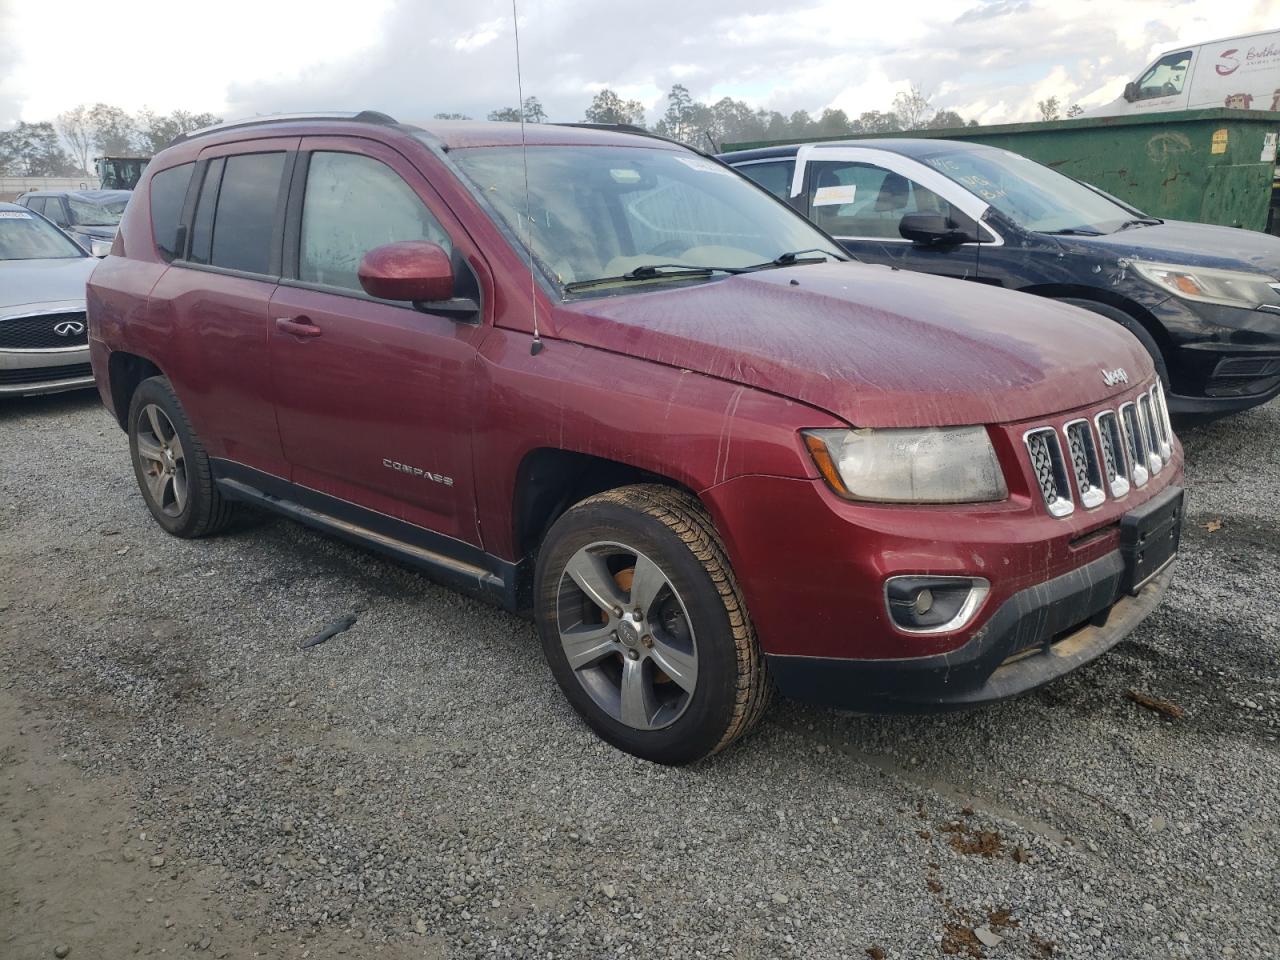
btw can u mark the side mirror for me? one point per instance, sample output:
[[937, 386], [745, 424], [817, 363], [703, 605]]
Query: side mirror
[[412, 270], [1131, 91], [933, 230]]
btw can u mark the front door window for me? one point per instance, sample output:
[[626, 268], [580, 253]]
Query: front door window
[[1166, 78], [865, 201]]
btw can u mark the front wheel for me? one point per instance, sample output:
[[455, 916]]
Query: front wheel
[[644, 627]]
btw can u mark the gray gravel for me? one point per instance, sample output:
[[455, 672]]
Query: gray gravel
[[418, 780]]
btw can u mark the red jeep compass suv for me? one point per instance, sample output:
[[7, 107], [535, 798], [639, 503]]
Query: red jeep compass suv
[[605, 380]]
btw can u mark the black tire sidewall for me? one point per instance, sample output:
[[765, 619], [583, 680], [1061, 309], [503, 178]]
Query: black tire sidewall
[[701, 727], [1133, 326], [157, 391]]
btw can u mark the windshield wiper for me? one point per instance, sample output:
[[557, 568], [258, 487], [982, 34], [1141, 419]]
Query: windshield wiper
[[1139, 222], [1073, 232], [654, 271], [792, 257]]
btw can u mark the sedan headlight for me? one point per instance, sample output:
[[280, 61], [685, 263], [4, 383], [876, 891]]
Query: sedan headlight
[[1233, 288], [924, 465]]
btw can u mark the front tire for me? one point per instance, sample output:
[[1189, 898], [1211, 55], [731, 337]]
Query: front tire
[[171, 465], [644, 627]]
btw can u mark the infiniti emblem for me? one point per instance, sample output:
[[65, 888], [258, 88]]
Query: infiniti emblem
[[1112, 377], [69, 328]]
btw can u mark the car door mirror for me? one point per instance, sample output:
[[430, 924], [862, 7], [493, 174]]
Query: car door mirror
[[1130, 91], [934, 230], [417, 271]]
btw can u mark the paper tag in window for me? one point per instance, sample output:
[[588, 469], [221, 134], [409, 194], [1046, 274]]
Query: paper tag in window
[[706, 166], [834, 196], [1268, 148], [14, 215]]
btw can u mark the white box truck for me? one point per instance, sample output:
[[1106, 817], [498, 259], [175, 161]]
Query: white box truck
[[1241, 73]]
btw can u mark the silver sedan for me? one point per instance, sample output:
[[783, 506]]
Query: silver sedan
[[44, 344]]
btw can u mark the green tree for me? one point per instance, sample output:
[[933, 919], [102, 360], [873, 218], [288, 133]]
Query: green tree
[[912, 109], [533, 112], [1074, 110], [113, 130], [800, 124], [506, 114], [73, 127], [1049, 109], [834, 123], [33, 150], [873, 121], [157, 131], [945, 120], [607, 107]]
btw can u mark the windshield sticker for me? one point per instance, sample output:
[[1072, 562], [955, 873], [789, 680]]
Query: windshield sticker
[[14, 215], [706, 166], [834, 196], [625, 175]]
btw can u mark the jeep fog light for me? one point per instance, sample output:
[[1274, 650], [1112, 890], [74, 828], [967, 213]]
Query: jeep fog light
[[921, 604]]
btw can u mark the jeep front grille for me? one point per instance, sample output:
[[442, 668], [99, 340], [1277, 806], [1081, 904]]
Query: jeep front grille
[[1050, 470], [1084, 463], [1087, 460]]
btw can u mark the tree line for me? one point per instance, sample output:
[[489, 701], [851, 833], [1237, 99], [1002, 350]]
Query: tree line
[[66, 146]]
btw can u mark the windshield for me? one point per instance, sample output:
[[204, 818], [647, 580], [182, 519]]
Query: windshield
[[97, 213], [1031, 195], [599, 212], [24, 236]]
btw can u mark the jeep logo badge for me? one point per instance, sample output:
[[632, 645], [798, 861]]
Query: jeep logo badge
[[1112, 377], [68, 328]]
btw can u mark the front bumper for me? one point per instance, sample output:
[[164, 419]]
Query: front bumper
[[30, 372], [1036, 636], [1224, 359]]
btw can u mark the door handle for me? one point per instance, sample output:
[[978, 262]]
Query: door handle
[[297, 326]]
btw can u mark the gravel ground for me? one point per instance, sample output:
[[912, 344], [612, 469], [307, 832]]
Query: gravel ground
[[177, 775]]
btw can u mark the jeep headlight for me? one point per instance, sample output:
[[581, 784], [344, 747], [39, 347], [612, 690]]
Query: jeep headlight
[[1233, 288], [917, 465]]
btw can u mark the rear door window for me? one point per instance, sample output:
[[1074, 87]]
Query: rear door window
[[774, 176], [168, 193], [202, 224], [245, 219], [353, 204]]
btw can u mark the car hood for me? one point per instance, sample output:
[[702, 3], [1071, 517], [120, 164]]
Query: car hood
[[26, 285], [1188, 244], [876, 346]]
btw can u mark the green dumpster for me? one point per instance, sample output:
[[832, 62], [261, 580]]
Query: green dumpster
[[1210, 166]]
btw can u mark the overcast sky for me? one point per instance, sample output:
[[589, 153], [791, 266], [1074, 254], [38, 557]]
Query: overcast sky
[[987, 59]]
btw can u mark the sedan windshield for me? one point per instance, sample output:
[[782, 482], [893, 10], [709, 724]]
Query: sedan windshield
[[603, 213], [24, 236], [1031, 195], [97, 213]]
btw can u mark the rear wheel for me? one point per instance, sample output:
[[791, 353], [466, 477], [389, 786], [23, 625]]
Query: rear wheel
[[644, 627], [171, 465]]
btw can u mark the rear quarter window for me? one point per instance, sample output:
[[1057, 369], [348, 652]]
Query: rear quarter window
[[168, 193]]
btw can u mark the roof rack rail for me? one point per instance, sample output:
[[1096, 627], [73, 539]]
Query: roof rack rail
[[632, 128], [364, 116]]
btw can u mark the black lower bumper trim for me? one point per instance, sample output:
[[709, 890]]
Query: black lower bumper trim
[[1036, 636]]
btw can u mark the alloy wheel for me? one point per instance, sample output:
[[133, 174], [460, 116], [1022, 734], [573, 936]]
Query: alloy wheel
[[627, 635], [163, 461]]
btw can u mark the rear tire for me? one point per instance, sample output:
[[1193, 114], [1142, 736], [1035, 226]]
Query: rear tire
[[171, 465], [633, 584]]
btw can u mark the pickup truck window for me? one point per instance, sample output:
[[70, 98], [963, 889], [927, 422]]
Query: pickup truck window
[[602, 211], [353, 204]]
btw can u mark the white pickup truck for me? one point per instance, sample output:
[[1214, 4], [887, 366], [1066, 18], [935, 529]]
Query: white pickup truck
[[1239, 72]]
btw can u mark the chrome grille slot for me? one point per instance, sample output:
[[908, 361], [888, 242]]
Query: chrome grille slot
[[1084, 463], [1114, 465], [1161, 408], [1135, 444], [1147, 423], [1050, 469]]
